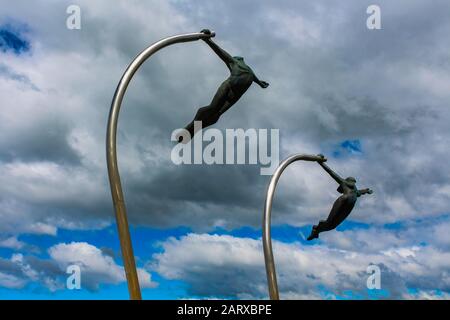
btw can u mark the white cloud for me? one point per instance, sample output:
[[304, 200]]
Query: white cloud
[[12, 243], [11, 282], [89, 258], [96, 267], [429, 295], [228, 266]]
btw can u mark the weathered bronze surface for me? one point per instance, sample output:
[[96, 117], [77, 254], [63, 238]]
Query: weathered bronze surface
[[230, 91], [342, 206]]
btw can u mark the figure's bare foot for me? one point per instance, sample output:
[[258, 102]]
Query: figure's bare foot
[[314, 234]]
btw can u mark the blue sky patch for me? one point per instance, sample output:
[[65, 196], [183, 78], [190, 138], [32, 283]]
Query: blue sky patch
[[12, 40], [348, 147]]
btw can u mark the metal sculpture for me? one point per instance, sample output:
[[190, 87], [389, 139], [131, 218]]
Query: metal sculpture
[[111, 155], [341, 209], [230, 91]]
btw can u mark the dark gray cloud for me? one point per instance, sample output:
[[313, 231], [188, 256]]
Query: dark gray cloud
[[331, 79], [20, 270]]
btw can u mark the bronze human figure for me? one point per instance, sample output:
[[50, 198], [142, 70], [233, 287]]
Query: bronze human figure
[[240, 79], [342, 206]]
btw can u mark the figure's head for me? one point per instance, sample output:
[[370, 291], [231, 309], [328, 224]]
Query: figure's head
[[350, 181], [239, 58]]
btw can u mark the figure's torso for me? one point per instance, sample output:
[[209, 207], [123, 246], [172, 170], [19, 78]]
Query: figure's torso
[[241, 77], [239, 67], [350, 192]]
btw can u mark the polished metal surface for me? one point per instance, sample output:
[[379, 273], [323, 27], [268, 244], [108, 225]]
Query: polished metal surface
[[111, 155], [267, 240]]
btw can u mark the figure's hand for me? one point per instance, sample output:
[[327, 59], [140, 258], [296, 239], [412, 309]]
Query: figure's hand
[[264, 84], [206, 31], [369, 191], [322, 158]]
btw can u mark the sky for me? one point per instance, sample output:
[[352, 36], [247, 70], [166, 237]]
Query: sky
[[374, 102]]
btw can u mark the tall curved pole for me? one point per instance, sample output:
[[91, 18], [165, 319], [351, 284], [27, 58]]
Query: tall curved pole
[[267, 239], [111, 156]]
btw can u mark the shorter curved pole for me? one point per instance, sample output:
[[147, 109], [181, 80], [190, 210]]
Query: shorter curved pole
[[267, 239], [111, 155]]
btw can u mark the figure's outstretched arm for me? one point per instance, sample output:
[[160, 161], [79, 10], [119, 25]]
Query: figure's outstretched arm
[[333, 174], [364, 191], [225, 56], [261, 83]]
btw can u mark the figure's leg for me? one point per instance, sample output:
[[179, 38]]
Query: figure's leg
[[324, 225], [207, 115], [227, 105], [210, 114], [330, 223], [315, 231]]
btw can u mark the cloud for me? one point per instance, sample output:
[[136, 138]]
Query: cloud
[[11, 282], [11, 75], [430, 295], [19, 271], [227, 266], [323, 92], [97, 268], [12, 243], [332, 82]]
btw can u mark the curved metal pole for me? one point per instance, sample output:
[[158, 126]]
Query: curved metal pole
[[267, 239], [111, 155]]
